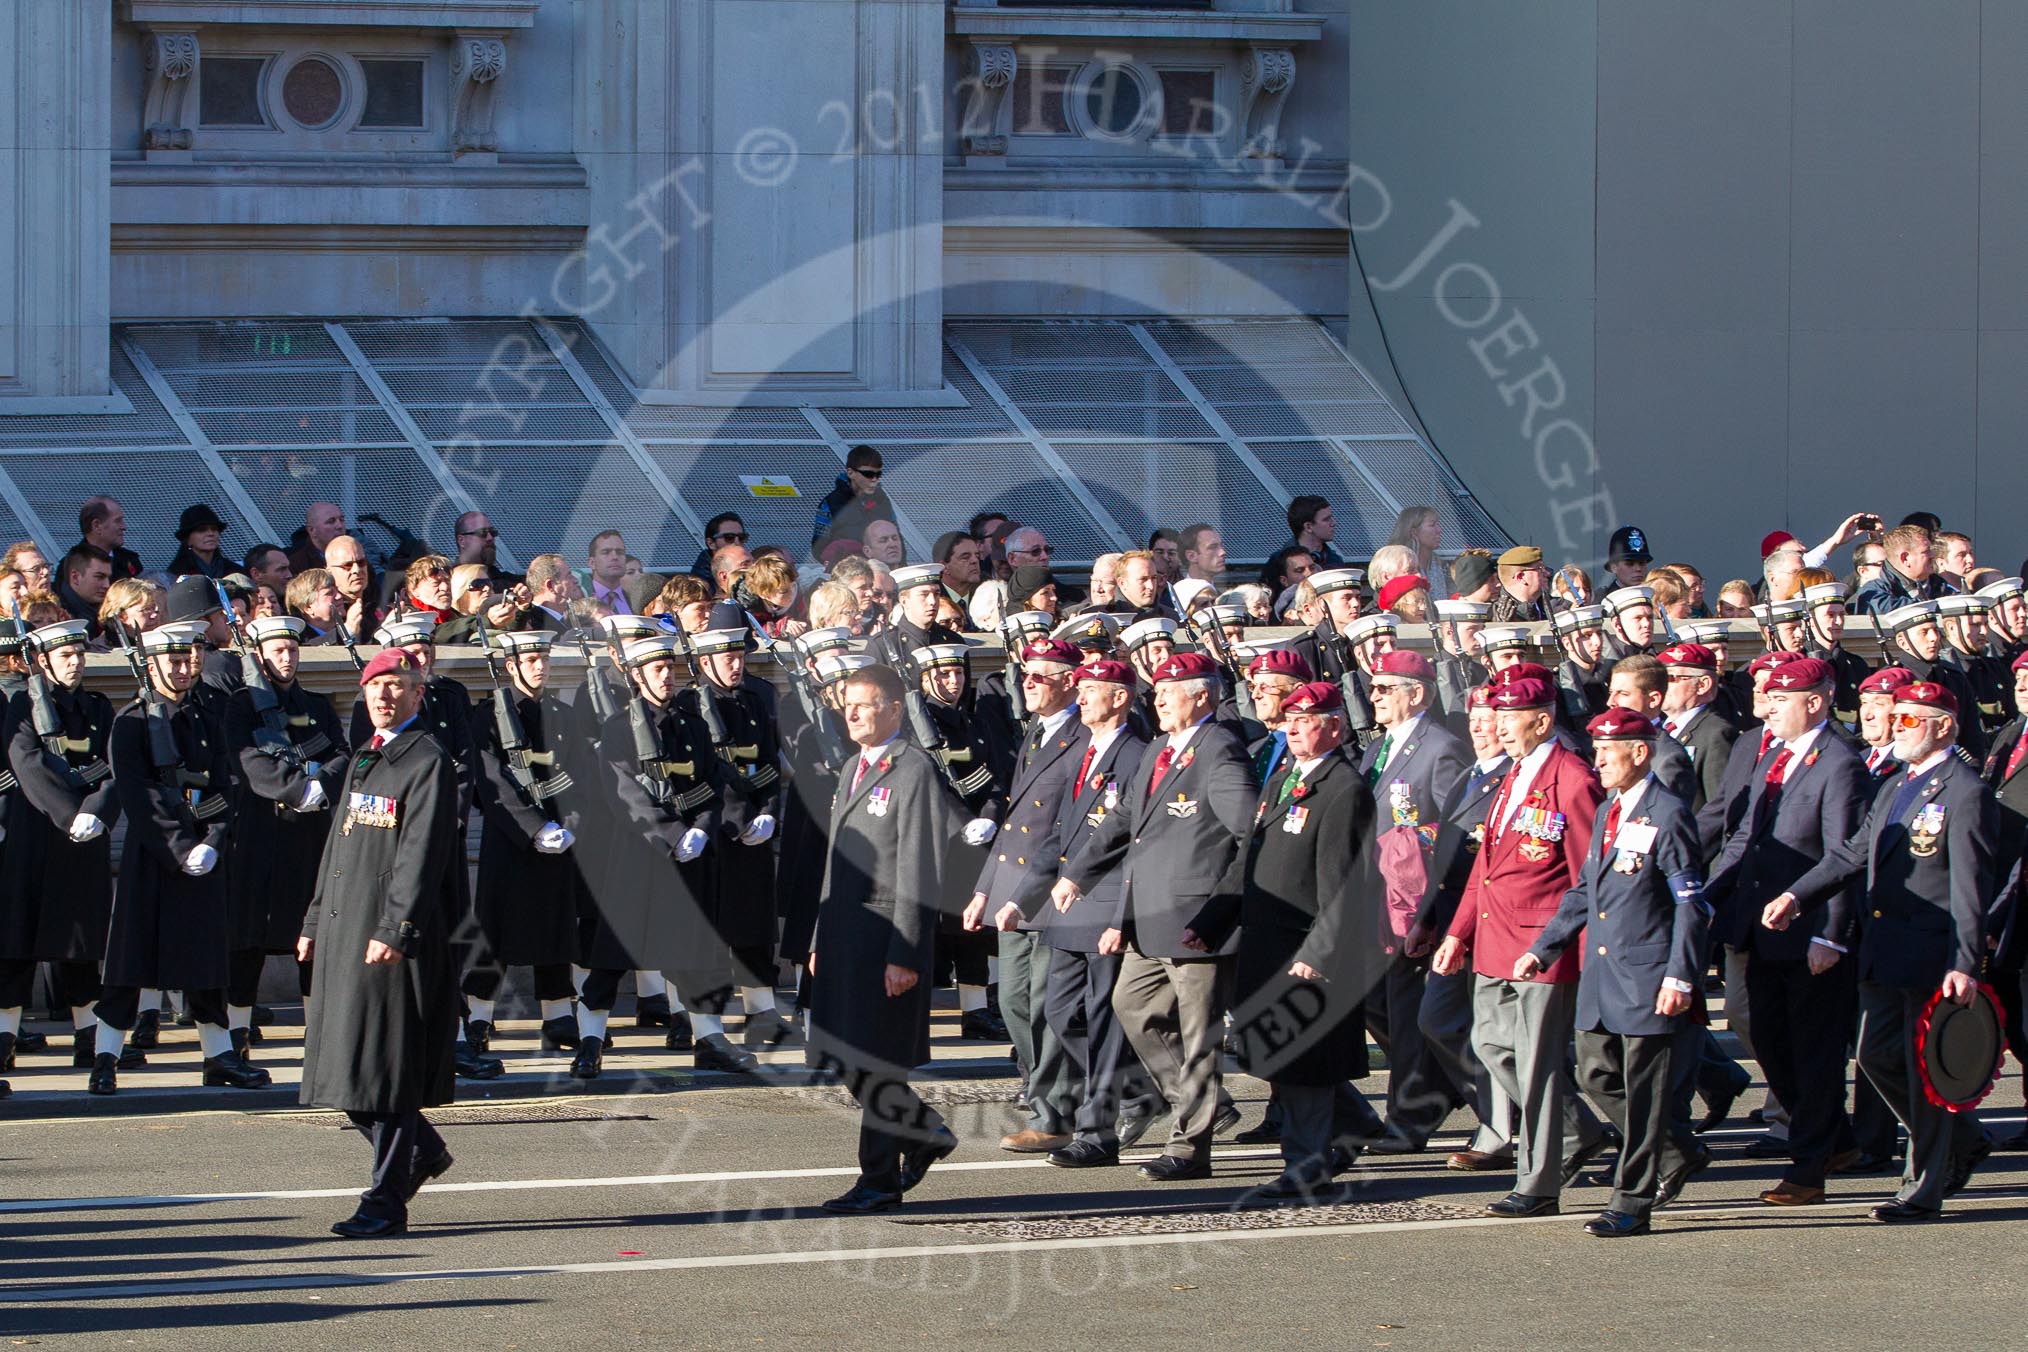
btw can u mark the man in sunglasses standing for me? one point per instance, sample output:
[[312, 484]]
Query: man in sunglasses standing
[[724, 529], [857, 501]]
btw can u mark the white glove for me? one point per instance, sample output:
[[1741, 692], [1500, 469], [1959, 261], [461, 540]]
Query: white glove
[[313, 797], [691, 845], [84, 826], [553, 839], [759, 831], [980, 831], [201, 861]]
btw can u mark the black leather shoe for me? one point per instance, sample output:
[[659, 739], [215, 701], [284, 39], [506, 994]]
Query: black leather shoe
[[147, 1034], [229, 1072], [917, 1159], [132, 1057], [242, 1043], [424, 1172], [1580, 1157], [469, 1067], [1516, 1205], [1616, 1225], [30, 1042], [1962, 1170], [1268, 1132], [1867, 1164], [1342, 1157], [1294, 1187], [1716, 1110], [368, 1227], [1226, 1119], [262, 1016], [2018, 1141], [714, 1051], [478, 1036], [6, 1090], [254, 1036], [1130, 1130], [105, 1076], [652, 1011], [83, 1046], [1672, 1182], [862, 1201], [678, 1038], [1893, 1213], [1170, 1169], [1392, 1142], [982, 1025], [590, 1060], [8, 1042], [1766, 1148], [1083, 1155], [559, 1035], [769, 1029]]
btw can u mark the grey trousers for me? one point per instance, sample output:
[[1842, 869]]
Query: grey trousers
[[1024, 985], [1171, 1010], [1628, 1078], [1521, 1031], [1446, 1022], [1937, 1138]]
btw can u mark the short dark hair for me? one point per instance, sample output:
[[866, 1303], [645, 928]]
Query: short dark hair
[[1276, 572], [977, 525], [94, 510], [1193, 535], [711, 526], [884, 679], [947, 542], [259, 553], [81, 554], [604, 535], [1303, 509], [862, 457], [1164, 533], [1929, 521], [1648, 674]]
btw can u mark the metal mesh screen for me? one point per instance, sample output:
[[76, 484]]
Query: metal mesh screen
[[249, 345], [1415, 478], [1167, 484], [553, 499], [152, 489], [148, 425], [708, 478], [1002, 476], [982, 418], [13, 528], [389, 483], [506, 343], [1315, 467], [490, 423]]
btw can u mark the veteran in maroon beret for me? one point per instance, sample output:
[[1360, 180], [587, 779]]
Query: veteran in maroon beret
[[1538, 836]]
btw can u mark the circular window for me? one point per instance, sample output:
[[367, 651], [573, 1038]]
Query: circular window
[[313, 93], [1113, 101]]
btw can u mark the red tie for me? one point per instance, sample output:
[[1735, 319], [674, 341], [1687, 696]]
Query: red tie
[[1496, 820], [1612, 827], [1771, 793], [1083, 766], [379, 741], [859, 774], [1766, 740], [1779, 770], [2016, 756], [1161, 769]]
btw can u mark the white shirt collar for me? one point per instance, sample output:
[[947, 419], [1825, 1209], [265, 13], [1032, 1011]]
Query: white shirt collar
[[869, 755], [1802, 744], [1930, 762], [1102, 740], [1304, 767], [1178, 741], [1679, 724], [1053, 723], [1630, 799]]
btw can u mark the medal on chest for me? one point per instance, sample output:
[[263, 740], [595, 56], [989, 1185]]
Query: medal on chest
[[1293, 823], [1925, 831], [1182, 807], [369, 809], [878, 800], [1400, 805]]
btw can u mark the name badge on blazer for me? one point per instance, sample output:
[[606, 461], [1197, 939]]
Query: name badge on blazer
[[1635, 838]]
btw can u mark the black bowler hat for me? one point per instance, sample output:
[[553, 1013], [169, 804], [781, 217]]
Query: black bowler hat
[[1958, 1049], [196, 517]]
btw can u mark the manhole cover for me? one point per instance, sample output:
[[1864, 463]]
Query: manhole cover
[[514, 1114], [1241, 1217], [944, 1095]]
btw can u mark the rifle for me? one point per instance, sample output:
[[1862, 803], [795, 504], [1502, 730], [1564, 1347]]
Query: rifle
[[1359, 722], [1213, 643], [272, 735], [595, 687], [707, 707], [345, 637], [48, 727], [162, 752], [923, 727], [830, 745], [1017, 698], [513, 736]]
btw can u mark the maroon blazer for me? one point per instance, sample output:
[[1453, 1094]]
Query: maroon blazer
[[1518, 880]]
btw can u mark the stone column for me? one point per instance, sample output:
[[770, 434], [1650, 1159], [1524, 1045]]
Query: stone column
[[56, 184]]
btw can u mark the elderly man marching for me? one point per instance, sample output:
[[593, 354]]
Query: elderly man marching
[[1639, 904], [383, 1011]]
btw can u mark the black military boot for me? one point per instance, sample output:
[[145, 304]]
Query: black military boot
[[242, 1044], [105, 1077], [678, 1039], [769, 1029], [84, 1045], [590, 1060], [25, 1041], [559, 1034], [478, 1036], [147, 1034], [8, 1041], [132, 1057], [716, 1052], [468, 1066], [652, 1011], [229, 1072]]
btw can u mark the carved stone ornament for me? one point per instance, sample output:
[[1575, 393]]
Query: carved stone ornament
[[1266, 75], [478, 60], [171, 66], [984, 130]]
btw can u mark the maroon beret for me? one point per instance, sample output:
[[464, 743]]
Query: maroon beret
[[1280, 662], [1053, 650], [1621, 725], [389, 661], [1528, 692], [1928, 695], [1481, 697], [1688, 655], [1771, 659], [1524, 671], [1405, 662], [1108, 670], [1315, 697], [1805, 673], [1186, 667], [1890, 680]]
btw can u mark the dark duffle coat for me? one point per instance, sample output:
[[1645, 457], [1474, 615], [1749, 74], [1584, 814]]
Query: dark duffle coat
[[880, 889], [57, 897], [272, 869], [526, 902], [169, 930], [651, 909], [1303, 888], [743, 904], [382, 1038], [806, 832]]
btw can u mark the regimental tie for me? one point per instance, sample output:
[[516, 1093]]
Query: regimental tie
[[1612, 828], [2017, 755], [1162, 761], [1083, 769], [1771, 791], [1290, 783], [1380, 760]]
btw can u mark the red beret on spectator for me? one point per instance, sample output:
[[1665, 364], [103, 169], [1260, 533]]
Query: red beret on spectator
[[1890, 680], [1400, 587], [1621, 725], [1526, 693], [1771, 659], [1107, 670], [1481, 697], [1186, 667], [388, 661], [1280, 662], [1053, 650], [1805, 673], [1524, 671], [1774, 540], [1405, 662], [1316, 697], [1927, 695], [1688, 655]]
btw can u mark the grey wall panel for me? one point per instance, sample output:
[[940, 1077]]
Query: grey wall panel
[[2001, 534]]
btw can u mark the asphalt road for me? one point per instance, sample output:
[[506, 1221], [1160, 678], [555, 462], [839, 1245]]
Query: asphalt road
[[689, 1218]]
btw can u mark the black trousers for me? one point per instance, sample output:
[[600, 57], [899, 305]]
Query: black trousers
[[553, 981], [960, 957], [1421, 1090], [243, 976], [892, 1118], [700, 992], [1936, 1137], [1077, 1006], [71, 983], [1627, 1076], [1801, 1025], [119, 1006], [400, 1142]]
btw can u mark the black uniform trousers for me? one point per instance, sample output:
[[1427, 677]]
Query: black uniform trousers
[[1936, 1137], [72, 984], [1802, 1025], [553, 981], [1077, 1005], [1421, 1091], [700, 992], [243, 976], [1627, 1076], [401, 1142], [892, 1118], [120, 1006]]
